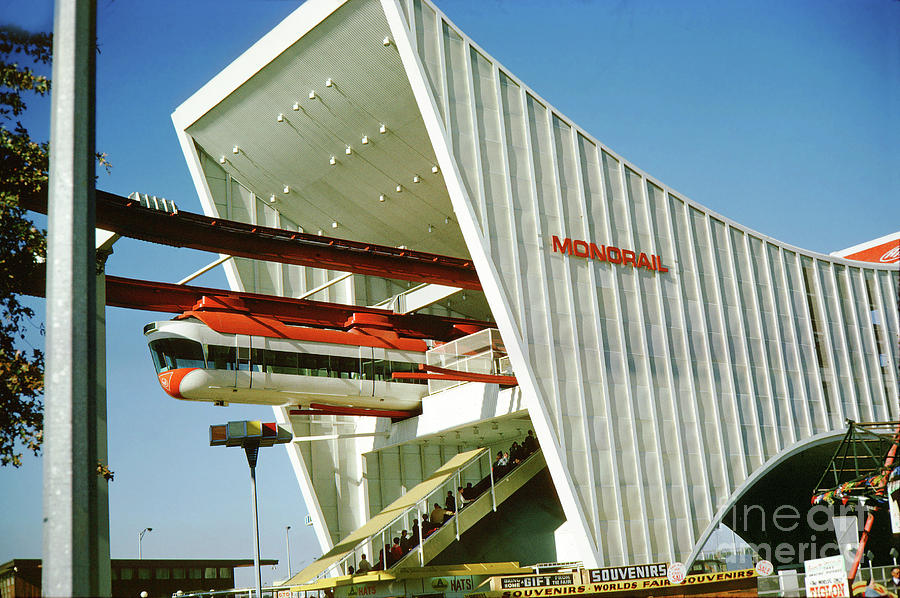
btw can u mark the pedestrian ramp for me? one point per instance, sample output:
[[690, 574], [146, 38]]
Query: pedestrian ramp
[[467, 517], [370, 536]]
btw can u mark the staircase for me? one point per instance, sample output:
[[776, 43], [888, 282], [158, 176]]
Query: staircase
[[471, 514], [371, 535]]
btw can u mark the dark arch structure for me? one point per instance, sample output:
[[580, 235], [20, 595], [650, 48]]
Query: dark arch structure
[[771, 511]]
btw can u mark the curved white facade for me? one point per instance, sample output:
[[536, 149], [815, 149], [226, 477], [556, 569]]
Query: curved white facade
[[654, 394]]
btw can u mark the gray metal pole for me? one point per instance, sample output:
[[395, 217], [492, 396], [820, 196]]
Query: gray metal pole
[[252, 454], [287, 540], [71, 546]]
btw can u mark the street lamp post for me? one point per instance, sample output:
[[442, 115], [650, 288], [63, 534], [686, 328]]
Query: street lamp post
[[141, 540], [287, 540], [250, 436]]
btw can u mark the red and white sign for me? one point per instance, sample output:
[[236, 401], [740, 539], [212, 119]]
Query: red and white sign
[[764, 567], [884, 250], [826, 578], [676, 573], [608, 253]]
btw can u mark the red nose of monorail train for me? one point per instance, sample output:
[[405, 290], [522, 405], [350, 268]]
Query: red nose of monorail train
[[171, 381]]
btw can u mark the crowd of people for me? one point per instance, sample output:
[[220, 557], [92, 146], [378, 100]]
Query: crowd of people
[[392, 553]]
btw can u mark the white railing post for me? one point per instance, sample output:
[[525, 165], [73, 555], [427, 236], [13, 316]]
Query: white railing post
[[458, 506], [422, 539], [493, 496]]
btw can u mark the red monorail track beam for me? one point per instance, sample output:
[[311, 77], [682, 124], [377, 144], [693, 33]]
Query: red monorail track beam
[[129, 218], [433, 372], [175, 298]]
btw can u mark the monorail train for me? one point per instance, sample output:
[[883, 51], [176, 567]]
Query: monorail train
[[249, 360]]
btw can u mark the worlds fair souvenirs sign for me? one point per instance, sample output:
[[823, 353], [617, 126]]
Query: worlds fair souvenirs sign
[[608, 253], [713, 582]]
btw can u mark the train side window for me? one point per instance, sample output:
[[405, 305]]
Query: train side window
[[281, 362], [258, 360], [406, 366], [308, 364], [222, 358], [381, 369], [243, 361], [368, 369], [324, 365], [345, 367]]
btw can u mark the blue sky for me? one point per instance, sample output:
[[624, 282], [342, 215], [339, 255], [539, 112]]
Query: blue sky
[[780, 115]]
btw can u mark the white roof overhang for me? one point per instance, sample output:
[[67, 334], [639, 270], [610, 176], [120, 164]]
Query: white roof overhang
[[342, 42]]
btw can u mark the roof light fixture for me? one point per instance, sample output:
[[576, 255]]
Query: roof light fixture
[[222, 160], [235, 150], [386, 41], [382, 128], [430, 228], [272, 198], [399, 189], [320, 232], [296, 106], [332, 160], [381, 198], [334, 224], [417, 179], [447, 220], [348, 150], [286, 189], [312, 95], [280, 117], [434, 169], [329, 82], [365, 140]]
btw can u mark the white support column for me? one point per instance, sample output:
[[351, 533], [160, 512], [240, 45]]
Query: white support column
[[806, 316], [719, 314], [830, 355], [518, 300], [615, 501], [620, 276], [735, 291], [686, 351], [568, 290], [714, 400], [892, 376], [761, 331], [769, 285], [858, 354]]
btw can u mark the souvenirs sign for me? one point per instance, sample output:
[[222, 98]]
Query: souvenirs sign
[[627, 573]]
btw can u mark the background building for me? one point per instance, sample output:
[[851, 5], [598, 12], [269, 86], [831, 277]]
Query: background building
[[21, 578]]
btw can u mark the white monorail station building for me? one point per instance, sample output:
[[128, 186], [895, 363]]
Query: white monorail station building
[[667, 357]]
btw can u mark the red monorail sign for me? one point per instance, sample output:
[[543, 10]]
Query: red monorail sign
[[604, 253]]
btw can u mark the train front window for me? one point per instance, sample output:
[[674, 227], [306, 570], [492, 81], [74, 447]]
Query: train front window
[[172, 353]]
